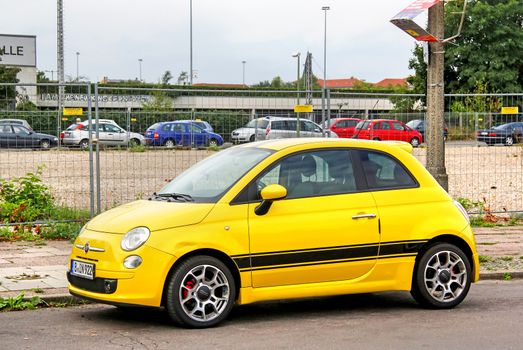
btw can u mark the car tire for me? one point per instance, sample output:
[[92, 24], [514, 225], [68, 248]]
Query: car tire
[[252, 138], [414, 142], [213, 143], [509, 141], [200, 293], [376, 139], [169, 143], [45, 144], [442, 277], [134, 142], [84, 144]]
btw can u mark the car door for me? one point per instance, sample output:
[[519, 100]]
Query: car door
[[400, 132], [326, 229], [340, 128], [115, 135], [23, 137], [7, 136], [198, 136]]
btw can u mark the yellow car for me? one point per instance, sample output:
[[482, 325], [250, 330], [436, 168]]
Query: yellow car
[[290, 218]]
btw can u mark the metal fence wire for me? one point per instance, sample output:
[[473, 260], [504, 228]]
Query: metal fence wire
[[112, 145]]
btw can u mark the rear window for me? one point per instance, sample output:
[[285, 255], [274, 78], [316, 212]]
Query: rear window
[[153, 127], [258, 123], [385, 172]]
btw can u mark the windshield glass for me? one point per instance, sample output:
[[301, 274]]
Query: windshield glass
[[208, 180], [262, 123]]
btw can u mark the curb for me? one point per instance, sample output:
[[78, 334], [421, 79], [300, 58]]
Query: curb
[[500, 275]]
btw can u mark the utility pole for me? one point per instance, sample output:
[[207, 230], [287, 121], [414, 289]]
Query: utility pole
[[435, 97]]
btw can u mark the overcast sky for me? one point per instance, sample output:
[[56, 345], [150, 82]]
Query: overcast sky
[[111, 35]]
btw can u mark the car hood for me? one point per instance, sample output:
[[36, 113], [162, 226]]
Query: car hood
[[244, 130], [43, 136], [155, 215]]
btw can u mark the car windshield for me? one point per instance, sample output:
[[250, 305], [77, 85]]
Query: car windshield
[[262, 123], [414, 123], [504, 126], [153, 127], [208, 180]]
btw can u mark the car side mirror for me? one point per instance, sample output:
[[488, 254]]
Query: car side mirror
[[317, 130], [270, 194]]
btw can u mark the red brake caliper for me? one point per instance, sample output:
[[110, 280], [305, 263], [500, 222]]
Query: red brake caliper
[[188, 285]]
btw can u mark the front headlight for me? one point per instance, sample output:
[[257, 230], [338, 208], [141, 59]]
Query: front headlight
[[135, 238]]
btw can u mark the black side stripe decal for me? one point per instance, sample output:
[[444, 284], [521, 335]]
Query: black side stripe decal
[[328, 255]]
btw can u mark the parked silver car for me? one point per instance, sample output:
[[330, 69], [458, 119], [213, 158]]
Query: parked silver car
[[110, 133], [268, 128]]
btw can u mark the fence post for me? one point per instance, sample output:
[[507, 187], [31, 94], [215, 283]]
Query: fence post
[[96, 113], [91, 165]]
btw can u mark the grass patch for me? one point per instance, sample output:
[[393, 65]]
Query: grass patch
[[507, 276], [507, 258], [488, 243], [484, 259], [18, 303], [137, 148]]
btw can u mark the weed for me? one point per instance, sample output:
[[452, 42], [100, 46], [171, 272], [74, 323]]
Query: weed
[[468, 205], [507, 258], [478, 221], [137, 148], [18, 303], [214, 148], [488, 243], [37, 290], [507, 276], [484, 259]]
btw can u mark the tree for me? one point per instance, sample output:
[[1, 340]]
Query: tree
[[183, 78], [419, 80], [166, 77], [159, 102], [8, 93], [488, 51]]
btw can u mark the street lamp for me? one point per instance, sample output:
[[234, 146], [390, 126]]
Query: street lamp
[[77, 69], [140, 67], [243, 79], [190, 39], [297, 55], [325, 9]]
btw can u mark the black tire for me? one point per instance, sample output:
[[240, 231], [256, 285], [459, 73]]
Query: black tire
[[45, 144], [252, 138], [213, 143], [376, 139], [414, 142], [84, 144], [169, 143], [134, 142], [509, 141], [448, 285], [199, 293]]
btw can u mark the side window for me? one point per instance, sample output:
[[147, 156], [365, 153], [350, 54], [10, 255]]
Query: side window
[[384, 172], [290, 125], [112, 128], [311, 174], [277, 125], [351, 123], [20, 130], [195, 129], [385, 125], [178, 128], [397, 126], [167, 127], [377, 126], [6, 129]]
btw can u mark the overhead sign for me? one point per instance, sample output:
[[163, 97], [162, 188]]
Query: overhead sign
[[18, 50], [303, 108], [509, 110], [73, 111], [405, 20]]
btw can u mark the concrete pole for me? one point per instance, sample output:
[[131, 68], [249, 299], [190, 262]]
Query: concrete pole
[[190, 40], [435, 98]]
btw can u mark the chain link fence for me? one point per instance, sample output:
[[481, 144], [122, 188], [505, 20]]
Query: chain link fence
[[112, 145]]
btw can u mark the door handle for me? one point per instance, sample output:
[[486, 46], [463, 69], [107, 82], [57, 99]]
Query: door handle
[[363, 216]]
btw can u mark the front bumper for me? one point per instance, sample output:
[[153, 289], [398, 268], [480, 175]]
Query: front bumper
[[113, 283]]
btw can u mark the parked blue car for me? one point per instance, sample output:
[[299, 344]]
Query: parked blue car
[[180, 133]]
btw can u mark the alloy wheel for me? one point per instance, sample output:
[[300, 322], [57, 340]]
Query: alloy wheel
[[445, 276]]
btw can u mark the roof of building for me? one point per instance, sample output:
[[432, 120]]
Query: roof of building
[[340, 83], [390, 82]]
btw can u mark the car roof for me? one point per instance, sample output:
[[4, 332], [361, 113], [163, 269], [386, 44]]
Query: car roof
[[280, 144]]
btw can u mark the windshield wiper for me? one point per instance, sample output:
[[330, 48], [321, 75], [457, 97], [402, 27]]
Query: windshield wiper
[[175, 196]]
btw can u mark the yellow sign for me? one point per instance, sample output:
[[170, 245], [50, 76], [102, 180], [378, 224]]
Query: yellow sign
[[509, 110], [73, 111], [133, 119], [303, 108], [65, 119]]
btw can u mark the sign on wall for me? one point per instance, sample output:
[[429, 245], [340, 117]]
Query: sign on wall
[[18, 50]]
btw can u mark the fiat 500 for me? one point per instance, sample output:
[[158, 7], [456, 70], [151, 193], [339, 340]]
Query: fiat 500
[[279, 219]]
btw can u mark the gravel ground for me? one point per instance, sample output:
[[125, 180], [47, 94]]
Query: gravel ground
[[493, 174]]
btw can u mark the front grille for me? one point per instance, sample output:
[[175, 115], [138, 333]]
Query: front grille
[[98, 285]]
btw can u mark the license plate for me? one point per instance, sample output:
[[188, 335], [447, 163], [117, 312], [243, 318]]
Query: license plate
[[484, 133], [82, 269]]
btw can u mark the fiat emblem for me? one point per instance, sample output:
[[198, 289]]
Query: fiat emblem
[[86, 247]]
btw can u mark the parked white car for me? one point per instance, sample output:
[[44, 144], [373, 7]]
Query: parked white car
[[268, 128], [110, 133]]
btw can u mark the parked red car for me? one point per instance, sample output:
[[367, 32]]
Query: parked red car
[[344, 127], [386, 129]]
